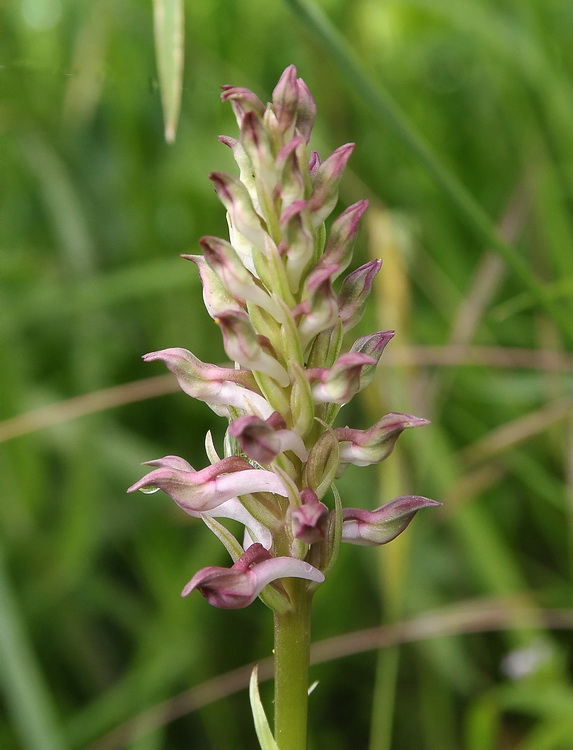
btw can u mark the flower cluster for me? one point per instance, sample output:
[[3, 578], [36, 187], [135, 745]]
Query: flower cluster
[[271, 290]]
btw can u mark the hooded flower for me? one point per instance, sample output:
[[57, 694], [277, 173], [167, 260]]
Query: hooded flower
[[239, 586], [199, 491]]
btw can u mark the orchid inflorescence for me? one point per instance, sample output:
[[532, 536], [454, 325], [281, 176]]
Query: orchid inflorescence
[[271, 290]]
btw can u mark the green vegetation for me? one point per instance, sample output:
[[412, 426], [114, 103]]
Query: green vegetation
[[456, 635]]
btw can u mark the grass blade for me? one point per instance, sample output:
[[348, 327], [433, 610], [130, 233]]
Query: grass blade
[[169, 35]]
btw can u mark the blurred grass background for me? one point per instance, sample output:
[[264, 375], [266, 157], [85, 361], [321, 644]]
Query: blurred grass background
[[473, 604]]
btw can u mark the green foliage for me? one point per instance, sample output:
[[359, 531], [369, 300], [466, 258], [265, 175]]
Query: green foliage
[[97, 648]]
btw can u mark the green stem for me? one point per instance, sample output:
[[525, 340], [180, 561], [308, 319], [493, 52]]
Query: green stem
[[292, 648]]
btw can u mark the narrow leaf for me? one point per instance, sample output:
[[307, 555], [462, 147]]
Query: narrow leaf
[[262, 728], [169, 34]]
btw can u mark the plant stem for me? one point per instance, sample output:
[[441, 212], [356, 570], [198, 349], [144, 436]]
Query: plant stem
[[292, 648]]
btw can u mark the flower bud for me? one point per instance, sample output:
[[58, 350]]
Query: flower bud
[[289, 163], [342, 235], [365, 447], [309, 520], [326, 181], [373, 345], [244, 163], [236, 199], [224, 261], [242, 101], [380, 526], [301, 401], [285, 101], [320, 306], [342, 381], [298, 241], [306, 110], [242, 345], [354, 293], [257, 145], [215, 296], [322, 465], [313, 163]]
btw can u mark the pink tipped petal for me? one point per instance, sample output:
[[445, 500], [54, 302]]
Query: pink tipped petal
[[380, 526], [170, 462]]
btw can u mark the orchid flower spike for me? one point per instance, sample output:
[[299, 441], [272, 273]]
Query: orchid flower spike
[[283, 290]]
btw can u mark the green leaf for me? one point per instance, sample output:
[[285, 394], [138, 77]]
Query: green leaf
[[169, 31], [262, 728]]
